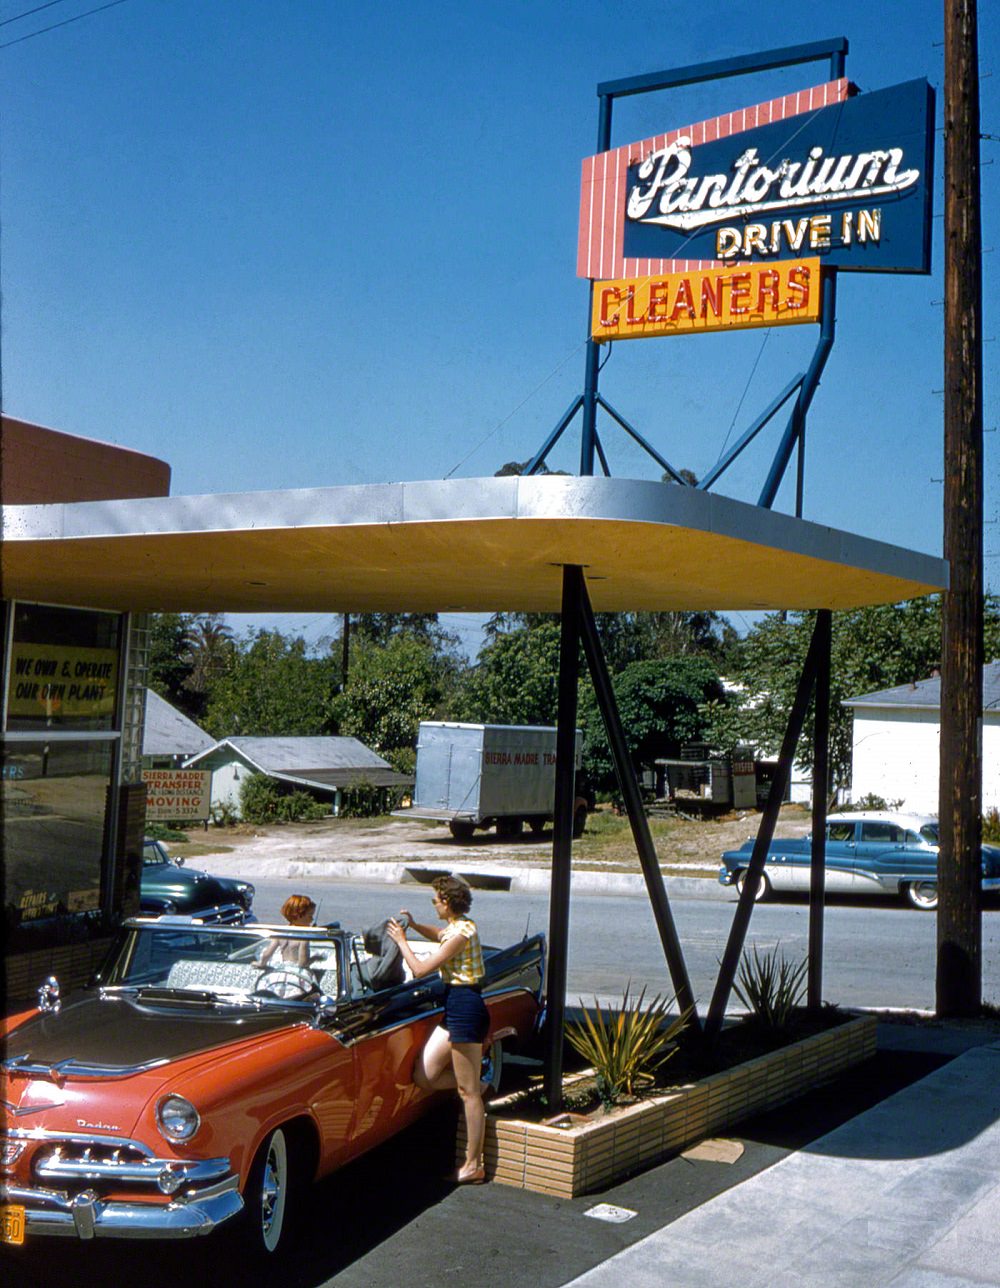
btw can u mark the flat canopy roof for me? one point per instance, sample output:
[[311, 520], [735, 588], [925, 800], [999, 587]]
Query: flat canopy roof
[[461, 545]]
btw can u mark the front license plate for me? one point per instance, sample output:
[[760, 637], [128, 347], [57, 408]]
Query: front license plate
[[11, 1223]]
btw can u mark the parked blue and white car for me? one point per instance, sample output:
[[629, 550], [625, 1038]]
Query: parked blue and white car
[[868, 853]]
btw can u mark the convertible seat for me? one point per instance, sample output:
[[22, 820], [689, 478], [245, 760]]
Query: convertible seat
[[385, 968], [201, 974]]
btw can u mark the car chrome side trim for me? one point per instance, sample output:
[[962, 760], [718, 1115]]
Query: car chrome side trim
[[71, 1068]]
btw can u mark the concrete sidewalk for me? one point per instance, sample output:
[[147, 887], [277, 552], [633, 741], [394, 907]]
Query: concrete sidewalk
[[907, 1193]]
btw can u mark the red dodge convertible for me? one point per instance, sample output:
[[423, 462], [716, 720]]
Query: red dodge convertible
[[195, 1084]]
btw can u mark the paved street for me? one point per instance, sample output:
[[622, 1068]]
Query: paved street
[[877, 953]]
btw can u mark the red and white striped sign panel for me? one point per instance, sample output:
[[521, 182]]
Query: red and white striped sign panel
[[603, 193]]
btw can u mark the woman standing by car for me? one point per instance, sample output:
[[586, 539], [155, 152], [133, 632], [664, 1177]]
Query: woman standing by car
[[453, 1054]]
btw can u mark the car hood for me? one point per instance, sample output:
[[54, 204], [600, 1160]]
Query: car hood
[[167, 881], [97, 1064], [122, 1034]]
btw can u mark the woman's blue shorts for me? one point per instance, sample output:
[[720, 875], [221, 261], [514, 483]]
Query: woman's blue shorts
[[465, 1015]]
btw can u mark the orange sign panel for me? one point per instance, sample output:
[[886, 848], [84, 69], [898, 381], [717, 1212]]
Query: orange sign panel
[[716, 299]]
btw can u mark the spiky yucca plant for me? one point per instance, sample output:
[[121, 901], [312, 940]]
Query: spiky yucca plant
[[626, 1043], [770, 986]]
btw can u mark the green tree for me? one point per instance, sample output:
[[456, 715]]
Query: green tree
[[633, 637], [872, 649], [270, 686], [210, 647], [516, 677], [379, 628], [390, 689], [662, 704], [169, 661]]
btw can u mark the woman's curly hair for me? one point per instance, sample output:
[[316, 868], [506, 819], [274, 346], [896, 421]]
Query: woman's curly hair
[[454, 892]]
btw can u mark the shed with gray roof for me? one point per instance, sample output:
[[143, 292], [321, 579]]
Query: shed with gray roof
[[324, 766], [169, 737]]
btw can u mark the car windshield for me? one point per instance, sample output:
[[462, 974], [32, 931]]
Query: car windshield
[[153, 853], [251, 963], [929, 831]]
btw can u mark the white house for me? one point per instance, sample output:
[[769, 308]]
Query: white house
[[326, 765], [897, 736]]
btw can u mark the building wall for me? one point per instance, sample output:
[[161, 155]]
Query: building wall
[[896, 755], [229, 772], [43, 466], [63, 896]]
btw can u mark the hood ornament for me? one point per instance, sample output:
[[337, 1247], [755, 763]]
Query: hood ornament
[[48, 996]]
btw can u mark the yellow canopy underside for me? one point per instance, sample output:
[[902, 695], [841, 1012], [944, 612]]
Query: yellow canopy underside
[[719, 554]]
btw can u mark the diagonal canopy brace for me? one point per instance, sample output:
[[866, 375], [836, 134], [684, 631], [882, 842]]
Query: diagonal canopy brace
[[608, 706], [578, 621], [755, 869]]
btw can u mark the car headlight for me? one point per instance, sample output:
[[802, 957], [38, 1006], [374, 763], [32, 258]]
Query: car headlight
[[177, 1118]]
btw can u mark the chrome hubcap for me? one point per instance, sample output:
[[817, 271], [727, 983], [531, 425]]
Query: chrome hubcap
[[270, 1192]]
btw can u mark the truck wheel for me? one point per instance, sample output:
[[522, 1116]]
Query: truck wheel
[[509, 829], [579, 820], [461, 831]]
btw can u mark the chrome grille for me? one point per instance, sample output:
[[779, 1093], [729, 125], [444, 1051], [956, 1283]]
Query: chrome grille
[[77, 1162]]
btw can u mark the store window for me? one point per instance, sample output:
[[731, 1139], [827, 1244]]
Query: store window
[[60, 748], [55, 799], [63, 671]]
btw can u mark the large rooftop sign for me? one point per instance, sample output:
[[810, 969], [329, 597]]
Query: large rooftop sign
[[815, 173]]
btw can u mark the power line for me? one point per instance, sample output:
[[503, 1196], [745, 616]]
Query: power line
[[526, 399], [28, 12], [65, 23]]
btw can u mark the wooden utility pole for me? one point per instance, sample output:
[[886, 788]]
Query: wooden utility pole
[[959, 958]]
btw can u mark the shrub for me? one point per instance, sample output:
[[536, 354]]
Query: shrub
[[165, 832], [259, 799], [223, 814], [870, 800], [365, 800], [262, 800], [628, 1044], [297, 807], [991, 826], [770, 987]]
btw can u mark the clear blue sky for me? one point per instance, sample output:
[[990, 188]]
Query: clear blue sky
[[302, 244]]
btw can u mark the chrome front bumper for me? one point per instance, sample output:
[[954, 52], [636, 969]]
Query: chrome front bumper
[[85, 1216]]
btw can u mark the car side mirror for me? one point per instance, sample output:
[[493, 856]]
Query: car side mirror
[[48, 996], [179, 860]]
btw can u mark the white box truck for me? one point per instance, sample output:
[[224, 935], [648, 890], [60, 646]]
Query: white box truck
[[480, 776]]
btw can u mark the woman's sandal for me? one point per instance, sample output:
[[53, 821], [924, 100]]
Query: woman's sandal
[[470, 1176]]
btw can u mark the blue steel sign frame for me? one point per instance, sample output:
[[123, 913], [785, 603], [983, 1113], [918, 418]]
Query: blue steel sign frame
[[827, 120]]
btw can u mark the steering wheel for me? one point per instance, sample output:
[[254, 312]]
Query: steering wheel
[[286, 981]]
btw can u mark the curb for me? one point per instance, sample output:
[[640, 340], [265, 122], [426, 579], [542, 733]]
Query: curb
[[528, 880]]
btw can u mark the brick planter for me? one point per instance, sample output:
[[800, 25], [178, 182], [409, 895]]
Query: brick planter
[[587, 1154]]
